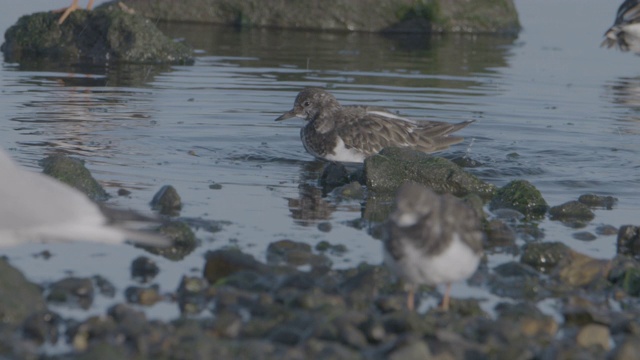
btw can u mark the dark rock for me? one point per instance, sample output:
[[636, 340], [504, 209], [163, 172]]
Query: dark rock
[[102, 36], [499, 234], [42, 326], [593, 200], [18, 297], [580, 311], [72, 172], [628, 242], [145, 296], [324, 226], [215, 186], [192, 295], [167, 201], [333, 176], [105, 287], [183, 241], [386, 171], [337, 249], [124, 192], [225, 262], [466, 162], [606, 230], [517, 281], [573, 213], [522, 196], [368, 15], [544, 256], [625, 272], [294, 253], [353, 190], [144, 269], [584, 236], [72, 291]]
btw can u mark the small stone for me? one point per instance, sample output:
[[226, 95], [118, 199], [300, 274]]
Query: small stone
[[167, 201], [225, 262], [72, 172], [594, 335], [584, 236], [215, 186], [522, 196], [593, 200], [325, 226], [144, 269], [124, 192], [606, 230], [573, 213], [628, 242], [544, 256], [143, 296], [72, 291]]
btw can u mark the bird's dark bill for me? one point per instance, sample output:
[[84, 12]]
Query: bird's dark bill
[[288, 115]]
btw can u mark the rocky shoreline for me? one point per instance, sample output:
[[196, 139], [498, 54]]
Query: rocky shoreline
[[296, 305]]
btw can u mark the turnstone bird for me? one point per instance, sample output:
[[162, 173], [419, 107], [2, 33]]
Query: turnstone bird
[[38, 208], [625, 32], [432, 239], [351, 133]]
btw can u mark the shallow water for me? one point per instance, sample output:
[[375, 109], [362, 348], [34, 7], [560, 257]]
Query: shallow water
[[551, 107]]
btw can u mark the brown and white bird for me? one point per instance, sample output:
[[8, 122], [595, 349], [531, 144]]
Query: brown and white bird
[[351, 133], [625, 32], [431, 239]]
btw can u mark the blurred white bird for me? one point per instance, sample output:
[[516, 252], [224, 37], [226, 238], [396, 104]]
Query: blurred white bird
[[37, 208]]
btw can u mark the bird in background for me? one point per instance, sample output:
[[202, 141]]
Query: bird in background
[[351, 133], [625, 32]]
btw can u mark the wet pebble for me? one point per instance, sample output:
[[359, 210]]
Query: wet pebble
[[72, 291], [593, 200], [573, 213], [606, 230], [628, 242], [522, 196], [584, 236], [167, 201], [144, 269], [145, 296]]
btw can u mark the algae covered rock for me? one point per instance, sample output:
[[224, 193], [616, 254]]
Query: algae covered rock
[[522, 196], [72, 172], [106, 34], [387, 170], [479, 16], [573, 213]]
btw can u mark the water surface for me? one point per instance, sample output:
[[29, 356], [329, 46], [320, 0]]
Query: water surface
[[551, 107]]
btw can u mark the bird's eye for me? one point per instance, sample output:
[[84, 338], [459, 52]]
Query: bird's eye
[[306, 103]]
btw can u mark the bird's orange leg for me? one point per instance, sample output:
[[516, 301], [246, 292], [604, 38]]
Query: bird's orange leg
[[446, 299], [410, 298], [73, 7]]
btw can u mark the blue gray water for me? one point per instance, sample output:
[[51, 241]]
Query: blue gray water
[[551, 107]]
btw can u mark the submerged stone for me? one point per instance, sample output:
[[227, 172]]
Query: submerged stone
[[573, 213], [72, 291], [593, 200], [628, 242], [72, 172], [522, 196], [183, 241], [225, 262], [167, 201], [386, 171], [19, 298], [104, 35], [544, 256]]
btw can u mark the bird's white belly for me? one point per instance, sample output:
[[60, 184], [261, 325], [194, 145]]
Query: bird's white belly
[[456, 263]]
